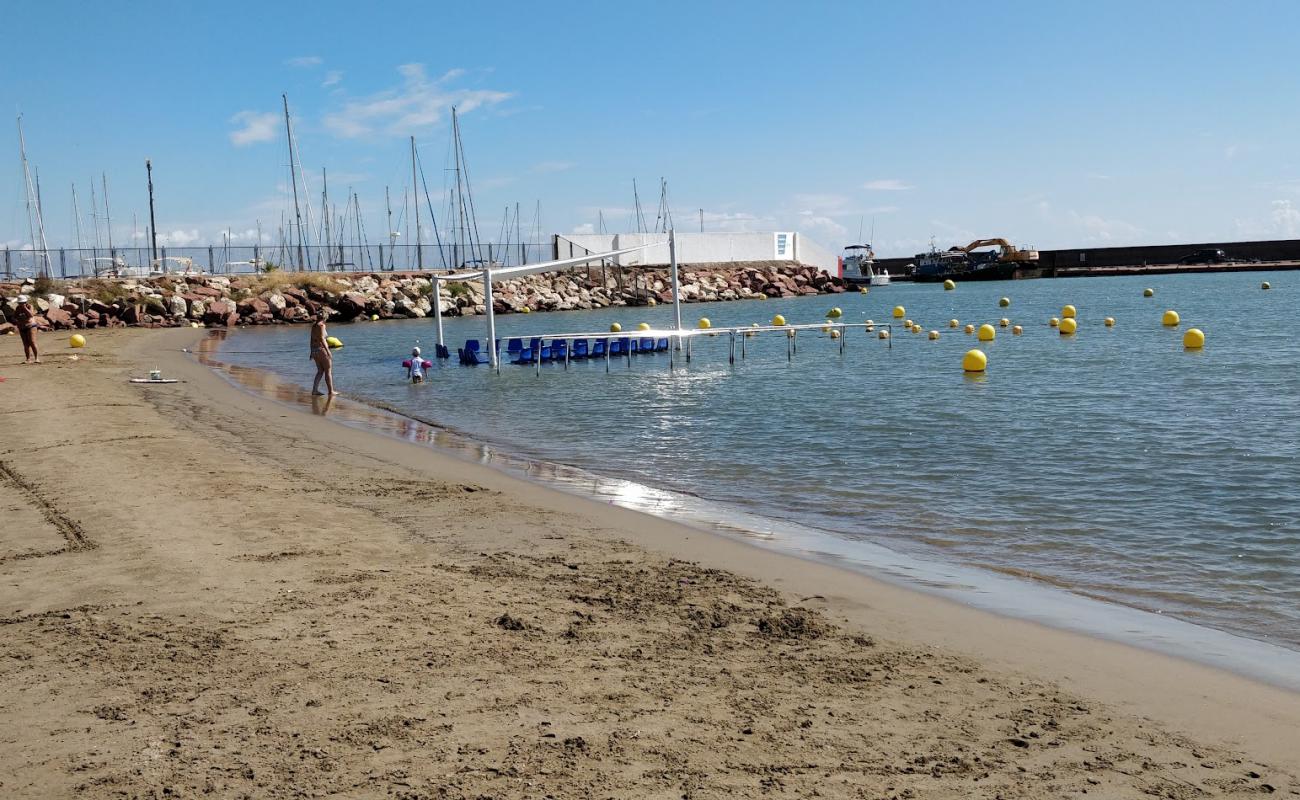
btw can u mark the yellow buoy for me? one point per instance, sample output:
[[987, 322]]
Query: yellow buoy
[[884, 334], [952, 323], [862, 290], [194, 324], [1110, 322], [643, 326], [835, 313], [1266, 285], [77, 340], [974, 361], [987, 333], [760, 296], [1068, 326], [899, 312], [650, 301], [1194, 339], [704, 323], [1053, 322], [949, 285], [871, 322], [1017, 330], [917, 328], [334, 341], [374, 317], [969, 329], [907, 323], [1170, 319], [1148, 292], [1004, 301], [1004, 322], [826, 329], [870, 328], [1068, 312], [934, 335], [778, 320], [835, 334], [614, 327], [526, 310]]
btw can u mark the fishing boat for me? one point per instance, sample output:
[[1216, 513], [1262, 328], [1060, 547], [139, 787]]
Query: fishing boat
[[858, 266]]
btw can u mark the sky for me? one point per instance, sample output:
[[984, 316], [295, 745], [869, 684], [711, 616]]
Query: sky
[[1051, 124]]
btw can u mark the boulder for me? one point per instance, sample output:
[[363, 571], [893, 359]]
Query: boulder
[[254, 307], [277, 302], [59, 318], [177, 306], [350, 306], [219, 312], [7, 328]]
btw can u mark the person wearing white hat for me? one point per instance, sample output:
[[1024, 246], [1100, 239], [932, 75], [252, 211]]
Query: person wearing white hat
[[25, 319]]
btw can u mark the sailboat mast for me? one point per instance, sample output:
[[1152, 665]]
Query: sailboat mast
[[293, 176], [392, 234], [325, 214], [419, 252], [108, 215], [32, 198], [76, 215], [460, 196]]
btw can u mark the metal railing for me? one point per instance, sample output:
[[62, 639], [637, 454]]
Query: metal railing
[[69, 262]]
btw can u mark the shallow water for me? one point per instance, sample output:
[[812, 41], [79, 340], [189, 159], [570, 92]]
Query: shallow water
[[1112, 463]]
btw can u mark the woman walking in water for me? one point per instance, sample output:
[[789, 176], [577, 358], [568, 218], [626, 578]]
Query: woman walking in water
[[320, 353]]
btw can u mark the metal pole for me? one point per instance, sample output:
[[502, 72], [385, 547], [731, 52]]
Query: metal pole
[[677, 297], [415, 194], [153, 223], [491, 318], [293, 175], [732, 355], [437, 312]]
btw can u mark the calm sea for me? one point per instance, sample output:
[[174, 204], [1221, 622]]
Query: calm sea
[[1112, 463]]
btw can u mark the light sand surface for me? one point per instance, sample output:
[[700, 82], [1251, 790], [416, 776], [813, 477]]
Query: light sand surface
[[206, 592]]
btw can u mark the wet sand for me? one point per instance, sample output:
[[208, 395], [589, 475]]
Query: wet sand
[[208, 592]]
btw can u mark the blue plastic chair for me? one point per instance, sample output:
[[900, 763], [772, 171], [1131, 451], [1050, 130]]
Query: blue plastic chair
[[441, 351], [526, 356], [633, 345], [558, 348], [472, 355], [647, 345], [579, 351], [617, 347], [514, 347], [661, 345], [598, 348]]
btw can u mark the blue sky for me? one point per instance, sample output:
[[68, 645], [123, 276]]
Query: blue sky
[[1053, 124]]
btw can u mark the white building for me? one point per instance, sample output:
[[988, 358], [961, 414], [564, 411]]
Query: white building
[[701, 248]]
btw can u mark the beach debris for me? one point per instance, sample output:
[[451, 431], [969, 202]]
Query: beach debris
[[792, 623], [509, 623]]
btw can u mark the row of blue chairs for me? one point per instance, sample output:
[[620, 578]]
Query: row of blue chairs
[[517, 352]]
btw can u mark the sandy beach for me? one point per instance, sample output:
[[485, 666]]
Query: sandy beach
[[210, 593]]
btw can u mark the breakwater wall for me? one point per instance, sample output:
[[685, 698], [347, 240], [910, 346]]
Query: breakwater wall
[[1076, 261], [287, 297]]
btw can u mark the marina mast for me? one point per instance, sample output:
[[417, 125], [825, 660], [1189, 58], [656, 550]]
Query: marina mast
[[293, 175], [415, 188], [33, 203]]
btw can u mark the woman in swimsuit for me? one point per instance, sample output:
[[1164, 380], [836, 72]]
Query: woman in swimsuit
[[320, 353], [25, 318]]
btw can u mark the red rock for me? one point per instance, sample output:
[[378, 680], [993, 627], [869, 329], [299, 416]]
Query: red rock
[[205, 291], [59, 318], [254, 307], [7, 328]]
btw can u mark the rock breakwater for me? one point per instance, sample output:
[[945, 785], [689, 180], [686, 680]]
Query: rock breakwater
[[284, 297]]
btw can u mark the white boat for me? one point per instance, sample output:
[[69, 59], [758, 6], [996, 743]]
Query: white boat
[[858, 266]]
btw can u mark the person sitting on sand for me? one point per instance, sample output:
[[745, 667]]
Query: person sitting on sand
[[320, 353], [415, 367], [25, 319]]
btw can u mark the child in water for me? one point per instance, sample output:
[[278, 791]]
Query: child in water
[[415, 367]]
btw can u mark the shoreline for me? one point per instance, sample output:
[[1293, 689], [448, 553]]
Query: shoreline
[[955, 624], [1009, 595], [273, 602]]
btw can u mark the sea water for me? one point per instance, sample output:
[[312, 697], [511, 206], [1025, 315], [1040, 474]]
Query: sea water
[[1113, 463]]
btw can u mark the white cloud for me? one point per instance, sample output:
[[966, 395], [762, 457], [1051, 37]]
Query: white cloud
[[420, 102], [1286, 218], [256, 126], [585, 227], [181, 238], [1230, 152], [332, 78], [553, 166], [305, 61], [808, 221], [886, 185]]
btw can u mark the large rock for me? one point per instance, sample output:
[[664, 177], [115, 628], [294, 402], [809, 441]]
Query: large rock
[[277, 303], [254, 307], [219, 312], [177, 306], [59, 318], [350, 306]]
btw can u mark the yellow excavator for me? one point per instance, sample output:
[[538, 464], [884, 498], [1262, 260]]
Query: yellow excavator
[[1008, 253]]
